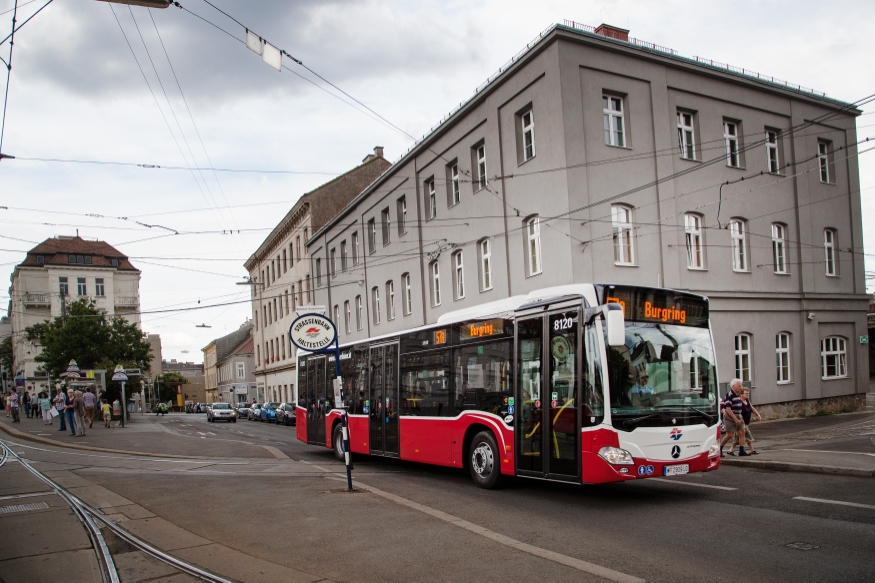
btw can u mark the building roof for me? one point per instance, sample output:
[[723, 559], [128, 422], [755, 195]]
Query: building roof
[[245, 347], [324, 202], [58, 250]]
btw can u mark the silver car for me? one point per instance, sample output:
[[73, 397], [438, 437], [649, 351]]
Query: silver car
[[221, 412]]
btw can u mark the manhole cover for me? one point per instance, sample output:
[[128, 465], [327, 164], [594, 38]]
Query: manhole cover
[[803, 546], [23, 507]]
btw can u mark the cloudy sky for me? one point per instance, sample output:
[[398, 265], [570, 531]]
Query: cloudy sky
[[77, 93]]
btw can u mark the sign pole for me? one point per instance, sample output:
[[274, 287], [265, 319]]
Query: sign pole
[[344, 420], [123, 404]]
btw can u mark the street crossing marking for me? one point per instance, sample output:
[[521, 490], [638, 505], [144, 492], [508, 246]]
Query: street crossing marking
[[30, 495], [690, 484], [839, 502]]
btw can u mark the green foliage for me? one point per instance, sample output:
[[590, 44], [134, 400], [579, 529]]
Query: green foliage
[[7, 362], [92, 340], [166, 391]]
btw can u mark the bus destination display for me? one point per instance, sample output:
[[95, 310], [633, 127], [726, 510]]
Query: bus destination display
[[666, 307], [486, 329]]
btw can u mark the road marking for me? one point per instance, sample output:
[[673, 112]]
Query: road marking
[[578, 564], [44, 493], [825, 451], [689, 484], [276, 452], [839, 502]]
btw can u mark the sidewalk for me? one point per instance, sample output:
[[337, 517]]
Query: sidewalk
[[832, 444]]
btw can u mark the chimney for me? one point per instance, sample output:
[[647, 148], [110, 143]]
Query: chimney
[[378, 153], [613, 32]]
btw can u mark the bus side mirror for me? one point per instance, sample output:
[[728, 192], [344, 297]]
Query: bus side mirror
[[616, 325]]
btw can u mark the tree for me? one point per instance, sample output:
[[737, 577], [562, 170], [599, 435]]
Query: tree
[[7, 357], [92, 340], [167, 391]]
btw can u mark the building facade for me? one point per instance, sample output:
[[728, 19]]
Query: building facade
[[195, 389], [216, 354], [236, 374], [62, 270], [592, 157], [281, 276]]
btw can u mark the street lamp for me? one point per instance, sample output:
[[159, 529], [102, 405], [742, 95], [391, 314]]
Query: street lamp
[[146, 3]]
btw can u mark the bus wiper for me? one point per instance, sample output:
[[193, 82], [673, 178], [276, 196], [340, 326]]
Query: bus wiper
[[636, 421], [684, 408]]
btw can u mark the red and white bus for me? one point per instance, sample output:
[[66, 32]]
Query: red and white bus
[[580, 383]]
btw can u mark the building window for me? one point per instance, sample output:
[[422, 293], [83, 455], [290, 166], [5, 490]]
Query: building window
[[782, 357], [356, 251], [295, 297], [98, 287], [359, 312], [348, 312], [480, 152], [823, 160], [695, 246], [80, 259], [533, 233], [779, 247], [343, 263], [390, 300], [485, 265], [685, 135], [375, 304], [772, 158], [742, 357], [291, 254], [612, 109], [285, 262], [829, 252], [306, 237], [459, 274], [280, 305], [432, 198], [114, 262], [386, 224], [730, 141], [257, 355], [62, 285], [318, 272], [336, 316], [372, 236], [833, 358], [309, 290], [283, 343], [527, 127], [738, 234], [287, 302], [455, 192], [81, 288], [408, 294], [621, 219], [298, 247], [402, 215], [40, 259], [333, 261], [262, 277], [435, 283]]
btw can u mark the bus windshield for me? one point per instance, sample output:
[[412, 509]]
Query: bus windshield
[[664, 375]]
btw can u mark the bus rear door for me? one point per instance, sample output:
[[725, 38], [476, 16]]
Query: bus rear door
[[316, 399], [383, 400]]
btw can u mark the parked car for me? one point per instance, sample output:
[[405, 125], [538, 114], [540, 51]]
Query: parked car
[[268, 411], [242, 410], [221, 412], [254, 413], [285, 414]]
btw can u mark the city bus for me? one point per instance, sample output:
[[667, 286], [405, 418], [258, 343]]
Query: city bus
[[580, 383]]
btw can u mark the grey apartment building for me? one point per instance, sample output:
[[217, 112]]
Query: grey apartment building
[[592, 157]]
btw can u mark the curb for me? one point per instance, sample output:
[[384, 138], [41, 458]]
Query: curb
[[796, 467], [26, 436]]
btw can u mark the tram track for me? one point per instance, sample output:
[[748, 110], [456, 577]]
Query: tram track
[[90, 518]]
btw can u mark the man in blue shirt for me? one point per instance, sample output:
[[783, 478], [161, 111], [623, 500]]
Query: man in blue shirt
[[641, 392], [732, 420]]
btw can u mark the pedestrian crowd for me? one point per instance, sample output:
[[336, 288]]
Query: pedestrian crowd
[[75, 409]]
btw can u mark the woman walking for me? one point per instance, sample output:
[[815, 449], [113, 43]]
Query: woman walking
[[68, 411], [45, 406], [79, 411], [747, 411]]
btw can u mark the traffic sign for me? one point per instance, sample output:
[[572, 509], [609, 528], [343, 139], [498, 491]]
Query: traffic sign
[[312, 332]]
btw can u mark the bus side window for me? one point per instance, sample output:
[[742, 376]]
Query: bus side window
[[593, 406]]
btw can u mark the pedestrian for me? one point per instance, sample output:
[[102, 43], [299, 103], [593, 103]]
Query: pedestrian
[[89, 399], [34, 404], [106, 411], [8, 398], [68, 411], [79, 411], [101, 396], [45, 405], [24, 403], [13, 405], [59, 402], [747, 410], [732, 420]]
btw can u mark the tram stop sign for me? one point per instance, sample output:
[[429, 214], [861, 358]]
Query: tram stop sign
[[312, 332], [119, 375]]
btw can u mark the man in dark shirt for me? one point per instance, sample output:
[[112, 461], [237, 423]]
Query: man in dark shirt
[[732, 419]]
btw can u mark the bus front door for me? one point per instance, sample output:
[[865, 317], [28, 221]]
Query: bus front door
[[547, 420], [383, 400], [316, 400]]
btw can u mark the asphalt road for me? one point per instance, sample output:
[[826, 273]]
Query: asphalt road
[[421, 523]]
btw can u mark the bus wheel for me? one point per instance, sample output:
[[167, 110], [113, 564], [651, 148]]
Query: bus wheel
[[483, 460], [338, 443]]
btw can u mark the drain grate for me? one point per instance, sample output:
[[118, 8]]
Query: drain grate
[[23, 507], [803, 546]]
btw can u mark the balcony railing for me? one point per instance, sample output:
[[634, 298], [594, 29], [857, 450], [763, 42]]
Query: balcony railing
[[36, 299], [127, 302]]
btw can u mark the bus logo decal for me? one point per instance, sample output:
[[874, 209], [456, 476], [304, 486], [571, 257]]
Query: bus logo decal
[[676, 451], [675, 433]]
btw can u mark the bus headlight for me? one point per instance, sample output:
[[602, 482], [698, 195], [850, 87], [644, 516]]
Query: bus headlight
[[715, 449], [616, 456]]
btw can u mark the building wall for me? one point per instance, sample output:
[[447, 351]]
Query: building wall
[[230, 380], [574, 178]]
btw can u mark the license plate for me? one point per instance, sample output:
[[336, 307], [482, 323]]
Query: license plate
[[676, 470]]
